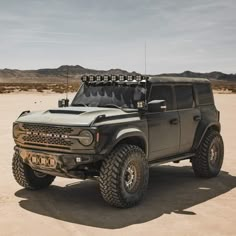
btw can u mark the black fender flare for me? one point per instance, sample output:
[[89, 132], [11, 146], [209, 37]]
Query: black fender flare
[[128, 133], [201, 131]]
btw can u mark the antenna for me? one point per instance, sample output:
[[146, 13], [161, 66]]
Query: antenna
[[145, 70], [67, 82], [145, 58]]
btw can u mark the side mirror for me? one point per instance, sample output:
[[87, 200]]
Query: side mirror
[[63, 102], [157, 106]]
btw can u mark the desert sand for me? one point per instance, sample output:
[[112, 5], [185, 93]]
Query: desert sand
[[176, 203]]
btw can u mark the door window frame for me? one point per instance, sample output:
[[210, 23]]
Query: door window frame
[[193, 93], [174, 104]]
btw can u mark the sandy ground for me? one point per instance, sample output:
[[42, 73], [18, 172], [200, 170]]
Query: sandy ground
[[177, 203]]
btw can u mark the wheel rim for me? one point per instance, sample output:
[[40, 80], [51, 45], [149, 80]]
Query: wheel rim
[[131, 178], [39, 174], [214, 155]]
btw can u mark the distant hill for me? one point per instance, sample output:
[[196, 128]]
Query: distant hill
[[52, 75], [55, 79], [59, 74], [215, 75]]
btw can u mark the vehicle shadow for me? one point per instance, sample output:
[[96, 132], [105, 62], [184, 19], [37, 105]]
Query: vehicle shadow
[[171, 190]]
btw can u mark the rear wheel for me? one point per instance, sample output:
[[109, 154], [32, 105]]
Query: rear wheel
[[210, 155], [124, 176], [27, 177]]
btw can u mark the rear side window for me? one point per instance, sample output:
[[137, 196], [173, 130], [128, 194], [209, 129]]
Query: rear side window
[[184, 96], [163, 92], [204, 94]]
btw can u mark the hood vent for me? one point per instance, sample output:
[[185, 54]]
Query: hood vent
[[62, 111]]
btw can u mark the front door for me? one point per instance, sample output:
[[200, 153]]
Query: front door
[[163, 127]]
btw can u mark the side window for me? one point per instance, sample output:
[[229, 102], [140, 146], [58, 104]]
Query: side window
[[163, 92], [184, 96], [204, 94]]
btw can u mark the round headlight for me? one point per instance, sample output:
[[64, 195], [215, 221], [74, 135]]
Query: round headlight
[[85, 137], [15, 131]]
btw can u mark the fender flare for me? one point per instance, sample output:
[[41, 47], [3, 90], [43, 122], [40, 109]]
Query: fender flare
[[128, 133], [202, 131]]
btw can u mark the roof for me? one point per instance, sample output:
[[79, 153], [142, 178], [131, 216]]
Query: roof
[[167, 79]]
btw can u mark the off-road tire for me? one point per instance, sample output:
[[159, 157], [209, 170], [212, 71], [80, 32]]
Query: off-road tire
[[201, 163], [113, 173], [26, 176]]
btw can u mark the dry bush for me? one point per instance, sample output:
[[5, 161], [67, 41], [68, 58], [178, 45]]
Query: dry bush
[[39, 87]]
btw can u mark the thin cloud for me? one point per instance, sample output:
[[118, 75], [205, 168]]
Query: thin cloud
[[181, 35]]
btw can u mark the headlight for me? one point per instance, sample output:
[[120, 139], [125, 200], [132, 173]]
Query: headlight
[[85, 137], [15, 130]]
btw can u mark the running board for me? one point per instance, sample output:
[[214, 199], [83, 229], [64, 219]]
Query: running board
[[173, 158]]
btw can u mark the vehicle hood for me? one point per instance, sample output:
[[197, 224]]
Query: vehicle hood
[[77, 116]]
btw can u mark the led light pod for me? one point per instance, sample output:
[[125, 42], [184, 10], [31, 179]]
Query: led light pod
[[122, 78], [105, 78], [130, 77], [113, 78], [139, 78], [91, 78], [98, 78], [84, 78]]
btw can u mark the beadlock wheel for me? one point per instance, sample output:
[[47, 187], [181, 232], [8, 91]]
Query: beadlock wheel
[[124, 176], [131, 178], [210, 155], [27, 177]]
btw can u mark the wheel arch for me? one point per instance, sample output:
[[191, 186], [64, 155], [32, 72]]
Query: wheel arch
[[131, 136], [202, 130]]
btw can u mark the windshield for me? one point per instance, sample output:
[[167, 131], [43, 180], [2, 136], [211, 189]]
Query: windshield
[[123, 96]]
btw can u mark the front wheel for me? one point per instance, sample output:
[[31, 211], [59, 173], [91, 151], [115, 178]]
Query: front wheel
[[124, 176], [27, 177], [210, 155]]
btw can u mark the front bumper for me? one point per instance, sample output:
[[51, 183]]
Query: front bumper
[[58, 164]]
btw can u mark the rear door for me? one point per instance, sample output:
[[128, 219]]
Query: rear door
[[163, 127], [189, 116]]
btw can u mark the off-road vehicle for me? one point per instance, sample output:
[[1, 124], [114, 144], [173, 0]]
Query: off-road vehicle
[[114, 129]]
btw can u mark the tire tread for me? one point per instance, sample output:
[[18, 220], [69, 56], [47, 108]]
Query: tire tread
[[110, 176]]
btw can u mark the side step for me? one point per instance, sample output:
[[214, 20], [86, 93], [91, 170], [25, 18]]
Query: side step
[[175, 159]]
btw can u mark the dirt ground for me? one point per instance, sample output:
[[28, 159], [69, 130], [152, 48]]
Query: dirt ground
[[177, 203]]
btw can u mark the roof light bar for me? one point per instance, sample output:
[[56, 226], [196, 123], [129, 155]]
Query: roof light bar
[[113, 78]]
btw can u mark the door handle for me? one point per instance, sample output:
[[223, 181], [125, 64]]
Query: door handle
[[197, 118], [174, 121]]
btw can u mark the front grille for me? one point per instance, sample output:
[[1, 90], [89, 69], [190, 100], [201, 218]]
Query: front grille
[[44, 135], [47, 129], [46, 140]]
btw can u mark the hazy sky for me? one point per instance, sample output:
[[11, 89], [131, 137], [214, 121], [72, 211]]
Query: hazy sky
[[198, 35]]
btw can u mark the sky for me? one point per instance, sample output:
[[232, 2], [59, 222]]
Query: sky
[[197, 35]]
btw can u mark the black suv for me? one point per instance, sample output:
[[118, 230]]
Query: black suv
[[115, 127]]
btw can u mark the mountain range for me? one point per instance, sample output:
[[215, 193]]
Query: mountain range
[[74, 72]]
